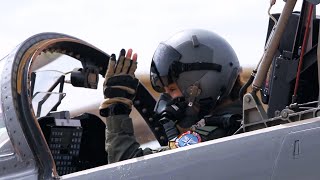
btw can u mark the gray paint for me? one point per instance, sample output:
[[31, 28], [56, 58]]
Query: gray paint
[[22, 162], [30, 174], [299, 155], [261, 154], [212, 49]]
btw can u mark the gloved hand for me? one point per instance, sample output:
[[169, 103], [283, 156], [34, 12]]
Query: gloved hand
[[120, 84]]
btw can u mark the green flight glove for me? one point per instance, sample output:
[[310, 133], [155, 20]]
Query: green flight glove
[[120, 85]]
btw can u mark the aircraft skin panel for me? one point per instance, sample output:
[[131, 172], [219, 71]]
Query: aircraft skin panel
[[298, 150], [25, 175], [253, 155], [21, 163]]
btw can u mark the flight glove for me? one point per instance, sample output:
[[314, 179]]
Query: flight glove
[[120, 85]]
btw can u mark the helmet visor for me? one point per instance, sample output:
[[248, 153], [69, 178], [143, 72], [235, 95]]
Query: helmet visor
[[162, 59]]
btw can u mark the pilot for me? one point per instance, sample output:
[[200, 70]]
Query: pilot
[[197, 72]]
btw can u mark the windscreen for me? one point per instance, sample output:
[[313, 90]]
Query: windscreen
[[47, 91], [48, 69]]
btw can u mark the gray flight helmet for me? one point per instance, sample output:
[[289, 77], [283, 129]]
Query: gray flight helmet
[[199, 58]]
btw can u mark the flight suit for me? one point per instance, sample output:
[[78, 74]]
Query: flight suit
[[121, 143]]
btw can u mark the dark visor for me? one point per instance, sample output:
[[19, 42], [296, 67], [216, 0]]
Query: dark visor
[[162, 59], [165, 65]]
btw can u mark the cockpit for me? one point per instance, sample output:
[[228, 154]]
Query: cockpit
[[48, 127], [75, 139], [49, 115]]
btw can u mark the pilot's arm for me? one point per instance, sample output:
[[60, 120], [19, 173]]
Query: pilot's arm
[[121, 143], [119, 89]]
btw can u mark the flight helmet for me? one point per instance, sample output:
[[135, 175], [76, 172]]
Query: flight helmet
[[202, 63]]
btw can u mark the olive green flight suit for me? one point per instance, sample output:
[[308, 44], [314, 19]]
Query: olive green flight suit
[[121, 143]]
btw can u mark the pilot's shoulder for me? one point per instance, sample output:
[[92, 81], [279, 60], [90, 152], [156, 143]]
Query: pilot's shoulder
[[205, 130], [210, 132]]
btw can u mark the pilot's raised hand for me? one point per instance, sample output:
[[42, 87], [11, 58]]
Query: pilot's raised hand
[[120, 84]]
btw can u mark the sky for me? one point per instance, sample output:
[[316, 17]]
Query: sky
[[141, 24]]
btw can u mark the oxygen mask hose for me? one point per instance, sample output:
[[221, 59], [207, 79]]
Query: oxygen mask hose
[[169, 128], [244, 88]]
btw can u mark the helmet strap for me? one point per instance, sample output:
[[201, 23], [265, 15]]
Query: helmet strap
[[177, 67], [220, 96]]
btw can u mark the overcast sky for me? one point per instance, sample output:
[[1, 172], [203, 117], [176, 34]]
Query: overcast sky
[[141, 24]]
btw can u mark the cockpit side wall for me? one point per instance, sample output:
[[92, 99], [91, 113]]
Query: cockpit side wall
[[287, 151]]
